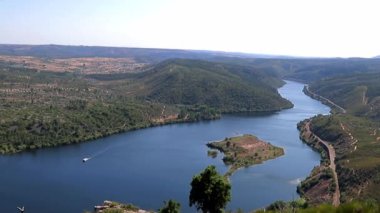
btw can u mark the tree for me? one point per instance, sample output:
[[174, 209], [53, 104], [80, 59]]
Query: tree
[[210, 192], [277, 206], [170, 207]]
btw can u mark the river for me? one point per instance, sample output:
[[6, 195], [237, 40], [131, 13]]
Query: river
[[146, 167]]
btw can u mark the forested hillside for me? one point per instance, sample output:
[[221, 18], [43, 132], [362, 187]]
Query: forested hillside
[[230, 88], [42, 108], [310, 70], [358, 93]]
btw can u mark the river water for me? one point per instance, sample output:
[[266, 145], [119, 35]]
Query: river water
[[146, 167]]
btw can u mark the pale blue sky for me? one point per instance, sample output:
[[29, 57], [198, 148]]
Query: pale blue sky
[[289, 27]]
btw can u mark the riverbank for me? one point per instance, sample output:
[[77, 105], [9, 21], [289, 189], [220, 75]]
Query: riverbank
[[128, 161], [324, 100], [245, 151], [98, 121], [322, 185]]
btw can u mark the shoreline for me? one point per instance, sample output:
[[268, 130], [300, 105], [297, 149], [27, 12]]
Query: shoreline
[[138, 127], [318, 176], [323, 100], [326, 151], [245, 151]]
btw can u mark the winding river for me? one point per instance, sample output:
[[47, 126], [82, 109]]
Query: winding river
[[146, 167]]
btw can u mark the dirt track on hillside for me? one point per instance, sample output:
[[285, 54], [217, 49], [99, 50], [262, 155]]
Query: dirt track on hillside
[[332, 155]]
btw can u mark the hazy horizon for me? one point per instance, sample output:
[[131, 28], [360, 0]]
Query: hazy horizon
[[288, 28]]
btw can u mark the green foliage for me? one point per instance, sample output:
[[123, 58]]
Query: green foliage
[[310, 70], [210, 192], [355, 140], [277, 206], [170, 207], [217, 85], [327, 127], [198, 112], [44, 109], [66, 111], [359, 93], [40, 126]]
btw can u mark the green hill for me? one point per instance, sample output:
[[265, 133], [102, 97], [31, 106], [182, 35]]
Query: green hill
[[43, 109], [354, 135], [229, 88], [358, 93], [309, 70]]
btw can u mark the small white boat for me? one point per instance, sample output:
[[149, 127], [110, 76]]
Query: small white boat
[[85, 159]]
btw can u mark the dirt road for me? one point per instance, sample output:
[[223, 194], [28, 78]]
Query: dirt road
[[332, 155], [326, 99]]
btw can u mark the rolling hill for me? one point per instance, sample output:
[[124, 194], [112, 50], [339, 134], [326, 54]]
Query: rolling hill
[[358, 93], [229, 88], [44, 109], [309, 70]]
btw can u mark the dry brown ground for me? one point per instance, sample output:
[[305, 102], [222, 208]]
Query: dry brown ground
[[94, 65]]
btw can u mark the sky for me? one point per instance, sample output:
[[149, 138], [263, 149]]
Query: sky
[[320, 28]]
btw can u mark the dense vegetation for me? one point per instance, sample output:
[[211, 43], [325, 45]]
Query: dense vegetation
[[170, 207], [317, 69], [359, 93], [42, 109], [308, 69], [210, 191], [225, 87]]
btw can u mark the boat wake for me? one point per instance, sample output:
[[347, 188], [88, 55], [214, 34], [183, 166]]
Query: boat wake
[[84, 160]]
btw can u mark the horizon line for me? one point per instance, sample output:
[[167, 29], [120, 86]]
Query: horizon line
[[268, 55]]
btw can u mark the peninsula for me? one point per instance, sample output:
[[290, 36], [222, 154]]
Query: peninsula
[[244, 151]]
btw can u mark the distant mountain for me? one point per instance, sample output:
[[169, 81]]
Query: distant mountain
[[229, 88], [140, 54]]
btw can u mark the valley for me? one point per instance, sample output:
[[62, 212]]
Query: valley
[[69, 98], [171, 106]]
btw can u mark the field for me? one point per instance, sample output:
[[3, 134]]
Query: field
[[93, 65]]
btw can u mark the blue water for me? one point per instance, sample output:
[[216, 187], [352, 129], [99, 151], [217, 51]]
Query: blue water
[[146, 167]]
